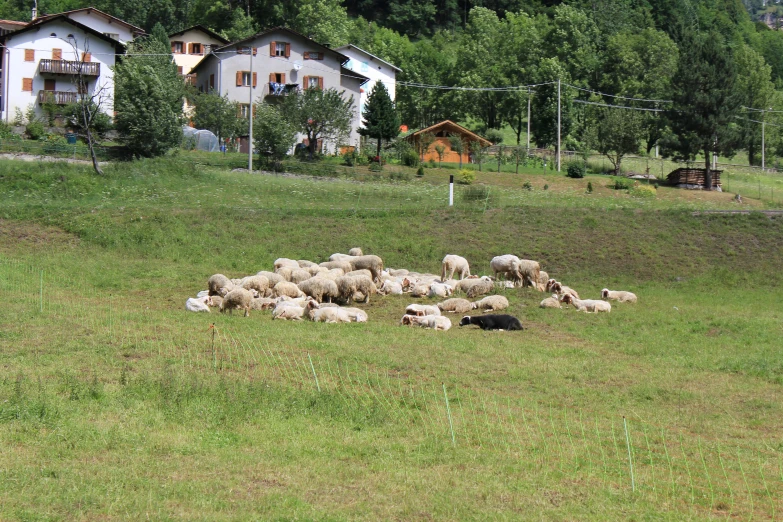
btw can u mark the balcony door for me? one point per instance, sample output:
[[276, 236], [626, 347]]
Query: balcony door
[[49, 85]]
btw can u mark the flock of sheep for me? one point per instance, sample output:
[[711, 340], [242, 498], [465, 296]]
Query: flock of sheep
[[321, 292]]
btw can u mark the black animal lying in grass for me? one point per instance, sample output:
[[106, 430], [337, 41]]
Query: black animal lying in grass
[[493, 322]]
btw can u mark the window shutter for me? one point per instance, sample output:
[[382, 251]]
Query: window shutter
[[57, 54], [239, 78], [271, 77], [306, 55], [254, 110], [255, 79], [173, 47], [255, 51], [86, 57], [29, 55], [282, 78], [320, 82], [27, 84], [288, 50], [306, 82], [179, 70], [271, 48]]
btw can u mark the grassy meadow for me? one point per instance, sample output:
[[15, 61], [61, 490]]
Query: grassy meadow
[[116, 403]]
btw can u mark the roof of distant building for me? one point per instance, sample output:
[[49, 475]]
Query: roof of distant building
[[202, 29], [372, 56]]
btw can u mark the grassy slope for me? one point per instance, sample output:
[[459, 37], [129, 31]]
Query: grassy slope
[[699, 355]]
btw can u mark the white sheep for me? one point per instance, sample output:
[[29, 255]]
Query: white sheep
[[433, 322], [551, 302], [476, 287], [451, 264], [363, 272], [304, 263], [239, 299], [286, 288], [440, 290], [317, 269], [320, 288], [417, 309], [587, 305], [390, 288], [491, 303], [506, 266], [397, 272], [342, 265], [258, 283], [618, 295], [284, 261], [262, 303], [357, 315], [349, 286], [326, 315], [420, 289], [197, 304], [372, 263], [272, 277], [456, 305], [219, 284], [562, 290], [288, 312], [215, 301], [356, 252], [299, 274]]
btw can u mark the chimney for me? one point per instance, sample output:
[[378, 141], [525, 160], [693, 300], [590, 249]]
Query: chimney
[[35, 10]]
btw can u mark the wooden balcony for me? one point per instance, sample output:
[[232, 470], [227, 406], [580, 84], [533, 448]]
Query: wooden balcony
[[57, 97], [66, 67]]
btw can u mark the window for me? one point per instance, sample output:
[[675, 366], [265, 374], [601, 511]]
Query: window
[[244, 110], [211, 81], [195, 48], [29, 55], [313, 82], [53, 35], [277, 77], [282, 49], [176, 47], [310, 55], [243, 79], [113, 36], [27, 84]]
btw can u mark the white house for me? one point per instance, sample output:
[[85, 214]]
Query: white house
[[372, 67], [97, 20], [43, 61], [191, 45]]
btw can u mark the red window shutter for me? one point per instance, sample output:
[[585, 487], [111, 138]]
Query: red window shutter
[[272, 48], [239, 78], [288, 50], [320, 82], [255, 79], [57, 54], [86, 57], [29, 55], [282, 78], [27, 84]]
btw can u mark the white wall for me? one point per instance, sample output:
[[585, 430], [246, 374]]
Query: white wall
[[102, 24], [188, 61], [42, 43], [372, 68]]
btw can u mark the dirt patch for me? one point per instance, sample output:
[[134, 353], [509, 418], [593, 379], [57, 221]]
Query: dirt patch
[[14, 233]]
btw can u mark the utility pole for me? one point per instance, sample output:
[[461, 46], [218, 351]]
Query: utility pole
[[763, 136], [250, 116], [528, 121], [558, 124]]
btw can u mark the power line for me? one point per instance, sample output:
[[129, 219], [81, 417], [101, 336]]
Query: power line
[[618, 106], [616, 96]]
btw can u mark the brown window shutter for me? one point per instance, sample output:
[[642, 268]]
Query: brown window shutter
[[320, 56], [254, 110], [86, 57], [173, 46], [320, 82], [288, 50], [190, 47], [29, 55], [179, 70], [57, 54], [255, 79], [27, 84], [271, 48], [282, 78], [239, 78], [271, 77], [306, 82], [306, 55], [255, 51]]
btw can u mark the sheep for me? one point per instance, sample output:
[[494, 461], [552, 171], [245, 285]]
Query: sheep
[[202, 293], [320, 288], [285, 272], [482, 286], [528, 270], [357, 315], [466, 284], [491, 303], [342, 265], [390, 288], [434, 322], [506, 266], [239, 299], [215, 301], [417, 309], [284, 261], [348, 286], [298, 275], [326, 315], [493, 322], [618, 295], [317, 269], [339, 257], [363, 272], [197, 304], [219, 284], [262, 303], [257, 283], [440, 290], [452, 264], [332, 274], [397, 272], [562, 290], [272, 277], [288, 313], [303, 263], [420, 290], [587, 305], [543, 277], [286, 288], [372, 263], [355, 251], [551, 302], [456, 305]]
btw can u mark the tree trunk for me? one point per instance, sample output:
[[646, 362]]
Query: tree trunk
[[708, 172], [751, 153], [378, 150]]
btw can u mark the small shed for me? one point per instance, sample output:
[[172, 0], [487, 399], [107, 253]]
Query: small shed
[[442, 131], [693, 178]]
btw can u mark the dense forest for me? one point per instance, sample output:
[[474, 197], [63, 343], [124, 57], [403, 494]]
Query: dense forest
[[600, 50]]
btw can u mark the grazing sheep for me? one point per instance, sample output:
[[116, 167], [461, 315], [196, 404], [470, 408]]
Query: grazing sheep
[[215, 301], [342, 265], [286, 288], [317, 269], [390, 288], [493, 322], [482, 286], [372, 263], [452, 264], [326, 315], [219, 284], [543, 277], [332, 274], [348, 286], [528, 270], [618, 295], [456, 305], [239, 299], [284, 261], [434, 322], [285, 272], [355, 251], [299, 274], [288, 313], [587, 305], [357, 315], [197, 304], [491, 303], [417, 309], [272, 277], [258, 283], [339, 257], [320, 288], [363, 272], [440, 290], [551, 302], [262, 303]]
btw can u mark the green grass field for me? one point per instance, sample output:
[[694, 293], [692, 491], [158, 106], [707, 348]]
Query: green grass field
[[116, 403]]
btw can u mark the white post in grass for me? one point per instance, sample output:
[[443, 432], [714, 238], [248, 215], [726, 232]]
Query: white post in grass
[[451, 190], [630, 458]]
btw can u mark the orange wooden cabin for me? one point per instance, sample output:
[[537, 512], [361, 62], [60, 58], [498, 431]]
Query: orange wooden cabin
[[442, 131]]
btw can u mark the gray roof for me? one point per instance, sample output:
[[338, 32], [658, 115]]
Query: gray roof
[[352, 46]]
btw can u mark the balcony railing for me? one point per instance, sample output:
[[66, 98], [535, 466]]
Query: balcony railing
[[57, 97], [66, 67], [281, 89]]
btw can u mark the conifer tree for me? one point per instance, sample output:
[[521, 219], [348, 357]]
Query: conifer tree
[[379, 118]]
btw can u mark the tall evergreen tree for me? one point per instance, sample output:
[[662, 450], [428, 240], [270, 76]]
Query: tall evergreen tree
[[379, 118]]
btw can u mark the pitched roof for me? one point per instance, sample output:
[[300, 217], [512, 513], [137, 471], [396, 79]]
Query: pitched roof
[[40, 23], [204, 30], [372, 56], [353, 74], [133, 28], [454, 128]]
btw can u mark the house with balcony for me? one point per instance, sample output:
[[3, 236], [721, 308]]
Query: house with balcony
[[51, 60], [374, 68], [189, 47], [276, 63]]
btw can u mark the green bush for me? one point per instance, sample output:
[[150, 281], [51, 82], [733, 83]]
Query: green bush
[[589, 187], [432, 163], [35, 130], [349, 158], [375, 167], [399, 176], [466, 177], [410, 159], [361, 159], [576, 170], [54, 144], [643, 191], [494, 135], [546, 187], [527, 185], [621, 184], [420, 172], [5, 131]]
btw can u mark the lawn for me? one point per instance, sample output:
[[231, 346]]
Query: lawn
[[115, 403]]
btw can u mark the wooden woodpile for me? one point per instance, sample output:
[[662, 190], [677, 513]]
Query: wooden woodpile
[[690, 177]]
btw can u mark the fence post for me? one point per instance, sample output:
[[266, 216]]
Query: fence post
[[630, 460], [448, 411]]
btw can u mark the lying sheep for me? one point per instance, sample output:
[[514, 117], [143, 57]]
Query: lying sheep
[[420, 290], [618, 295], [397, 272], [357, 315], [456, 305], [355, 251], [451, 264], [326, 315], [289, 312], [551, 302], [262, 303], [562, 290], [219, 284], [587, 305], [417, 309], [239, 299], [372, 263], [286, 288], [284, 261], [363, 272], [320, 289], [434, 322], [197, 304], [348, 286], [390, 288], [491, 303], [482, 286], [493, 322], [440, 290]]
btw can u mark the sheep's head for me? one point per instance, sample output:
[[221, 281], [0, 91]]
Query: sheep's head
[[604, 293], [568, 298], [406, 319], [465, 321]]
